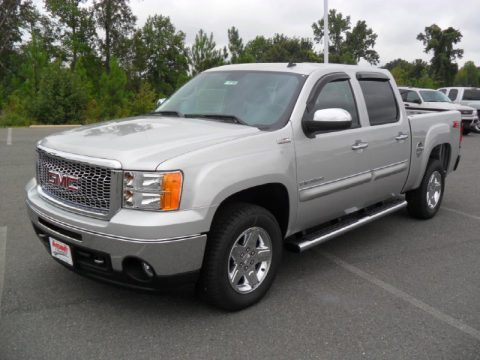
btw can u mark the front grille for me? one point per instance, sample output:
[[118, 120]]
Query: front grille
[[93, 184], [466, 112]]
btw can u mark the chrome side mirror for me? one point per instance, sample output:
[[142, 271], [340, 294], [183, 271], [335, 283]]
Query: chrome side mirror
[[327, 120]]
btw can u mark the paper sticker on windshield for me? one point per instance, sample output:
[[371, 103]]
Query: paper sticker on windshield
[[230, 82]]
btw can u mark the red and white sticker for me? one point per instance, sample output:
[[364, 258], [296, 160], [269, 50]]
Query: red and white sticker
[[61, 251]]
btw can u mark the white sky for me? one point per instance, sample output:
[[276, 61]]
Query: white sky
[[397, 23]]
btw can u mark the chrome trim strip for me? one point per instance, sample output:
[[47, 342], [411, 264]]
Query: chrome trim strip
[[115, 237], [392, 169], [328, 187], [302, 246], [108, 163]]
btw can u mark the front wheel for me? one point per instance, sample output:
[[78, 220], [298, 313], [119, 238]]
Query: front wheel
[[424, 202], [243, 252]]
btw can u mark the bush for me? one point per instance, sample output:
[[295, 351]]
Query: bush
[[61, 99]]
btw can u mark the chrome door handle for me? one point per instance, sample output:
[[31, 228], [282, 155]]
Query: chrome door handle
[[401, 137], [359, 145]]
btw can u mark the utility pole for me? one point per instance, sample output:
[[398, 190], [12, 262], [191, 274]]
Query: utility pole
[[325, 31]]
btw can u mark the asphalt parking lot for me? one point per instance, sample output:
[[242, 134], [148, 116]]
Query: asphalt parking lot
[[397, 288]]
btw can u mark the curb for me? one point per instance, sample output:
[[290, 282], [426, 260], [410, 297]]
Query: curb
[[54, 126]]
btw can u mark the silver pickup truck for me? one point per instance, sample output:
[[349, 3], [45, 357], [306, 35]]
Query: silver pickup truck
[[240, 163]]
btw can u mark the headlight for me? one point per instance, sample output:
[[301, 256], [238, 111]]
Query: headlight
[[152, 190]]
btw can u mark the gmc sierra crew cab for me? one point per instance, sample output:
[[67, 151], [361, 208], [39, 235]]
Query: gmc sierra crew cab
[[240, 163]]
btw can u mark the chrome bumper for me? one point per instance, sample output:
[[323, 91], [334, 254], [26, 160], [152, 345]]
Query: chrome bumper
[[168, 256]]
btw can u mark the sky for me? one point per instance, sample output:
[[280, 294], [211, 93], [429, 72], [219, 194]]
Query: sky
[[397, 23]]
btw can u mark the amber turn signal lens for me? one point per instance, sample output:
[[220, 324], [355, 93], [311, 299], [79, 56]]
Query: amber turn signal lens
[[171, 191]]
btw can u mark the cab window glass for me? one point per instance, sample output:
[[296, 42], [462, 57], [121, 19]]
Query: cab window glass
[[410, 96], [380, 100], [337, 94], [453, 94]]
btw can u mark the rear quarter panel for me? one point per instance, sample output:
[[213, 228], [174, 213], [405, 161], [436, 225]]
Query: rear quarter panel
[[431, 130]]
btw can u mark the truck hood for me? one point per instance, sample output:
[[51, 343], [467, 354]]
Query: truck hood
[[143, 143], [474, 104]]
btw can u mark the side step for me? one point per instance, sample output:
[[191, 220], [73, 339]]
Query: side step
[[329, 232]]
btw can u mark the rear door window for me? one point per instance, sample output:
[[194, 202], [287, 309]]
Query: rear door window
[[380, 100]]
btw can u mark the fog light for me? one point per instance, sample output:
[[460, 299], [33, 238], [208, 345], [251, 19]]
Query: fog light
[[147, 269]]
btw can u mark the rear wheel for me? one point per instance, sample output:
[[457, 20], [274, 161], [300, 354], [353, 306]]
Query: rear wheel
[[243, 252], [424, 202]]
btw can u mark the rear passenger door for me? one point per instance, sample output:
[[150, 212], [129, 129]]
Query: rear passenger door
[[388, 136], [333, 168]]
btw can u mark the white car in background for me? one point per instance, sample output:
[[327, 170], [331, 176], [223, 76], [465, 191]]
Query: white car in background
[[418, 101], [469, 96]]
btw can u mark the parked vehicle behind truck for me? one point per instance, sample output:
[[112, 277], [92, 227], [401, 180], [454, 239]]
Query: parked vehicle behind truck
[[240, 162], [421, 101], [469, 96]]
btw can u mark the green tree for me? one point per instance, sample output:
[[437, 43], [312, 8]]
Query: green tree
[[235, 45], [204, 53], [415, 73], [468, 75], [280, 48], [75, 27], [161, 57], [115, 19], [347, 44], [113, 96], [61, 97], [441, 43]]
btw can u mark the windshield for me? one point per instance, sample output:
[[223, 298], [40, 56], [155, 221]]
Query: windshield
[[471, 94], [434, 96], [255, 98]]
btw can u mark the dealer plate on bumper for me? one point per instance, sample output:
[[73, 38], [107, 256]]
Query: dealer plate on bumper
[[61, 251]]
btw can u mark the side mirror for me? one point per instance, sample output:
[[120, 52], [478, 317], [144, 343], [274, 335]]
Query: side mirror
[[161, 101], [416, 101], [328, 119]]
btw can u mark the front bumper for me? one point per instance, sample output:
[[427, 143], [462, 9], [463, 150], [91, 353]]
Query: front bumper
[[130, 234]]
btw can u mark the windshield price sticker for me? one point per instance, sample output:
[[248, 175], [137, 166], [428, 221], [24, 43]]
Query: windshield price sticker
[[230, 82]]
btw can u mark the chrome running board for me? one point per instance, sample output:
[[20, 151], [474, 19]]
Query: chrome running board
[[310, 240]]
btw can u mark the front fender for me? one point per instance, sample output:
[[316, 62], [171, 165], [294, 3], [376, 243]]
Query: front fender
[[215, 173]]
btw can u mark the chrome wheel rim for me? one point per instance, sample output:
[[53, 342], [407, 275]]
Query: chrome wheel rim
[[434, 189], [250, 259]]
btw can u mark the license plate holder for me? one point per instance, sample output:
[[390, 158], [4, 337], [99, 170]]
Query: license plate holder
[[61, 251]]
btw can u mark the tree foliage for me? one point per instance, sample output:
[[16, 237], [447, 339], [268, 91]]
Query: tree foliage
[[347, 44], [204, 53], [468, 75], [441, 43], [86, 60]]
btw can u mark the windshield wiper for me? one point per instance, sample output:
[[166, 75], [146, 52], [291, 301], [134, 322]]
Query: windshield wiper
[[168, 113], [227, 118]]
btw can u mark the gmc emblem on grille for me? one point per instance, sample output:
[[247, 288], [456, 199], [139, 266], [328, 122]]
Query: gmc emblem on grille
[[62, 180]]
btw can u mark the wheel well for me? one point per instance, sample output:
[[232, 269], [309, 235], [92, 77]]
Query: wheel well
[[442, 152], [273, 197]]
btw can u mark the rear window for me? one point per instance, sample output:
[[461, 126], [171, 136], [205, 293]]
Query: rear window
[[471, 94], [380, 101]]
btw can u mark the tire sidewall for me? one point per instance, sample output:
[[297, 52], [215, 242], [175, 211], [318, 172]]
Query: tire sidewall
[[434, 166], [261, 218]]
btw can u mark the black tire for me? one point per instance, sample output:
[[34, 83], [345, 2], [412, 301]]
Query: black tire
[[232, 221], [418, 205], [466, 131]]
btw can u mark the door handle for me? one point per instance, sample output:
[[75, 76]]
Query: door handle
[[401, 137], [359, 145]]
